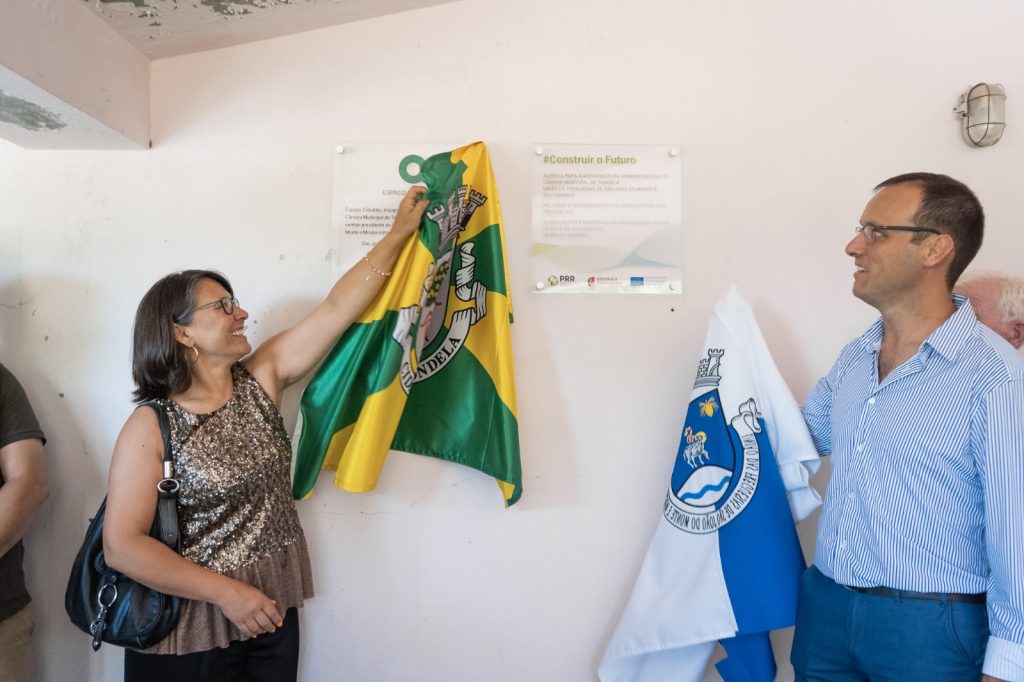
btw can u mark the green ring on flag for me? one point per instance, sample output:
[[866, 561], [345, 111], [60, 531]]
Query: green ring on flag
[[403, 168]]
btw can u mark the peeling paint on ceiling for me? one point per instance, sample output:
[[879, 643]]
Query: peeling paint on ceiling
[[225, 7], [28, 115], [167, 28]]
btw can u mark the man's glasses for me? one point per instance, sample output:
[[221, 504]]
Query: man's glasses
[[227, 304], [873, 232]]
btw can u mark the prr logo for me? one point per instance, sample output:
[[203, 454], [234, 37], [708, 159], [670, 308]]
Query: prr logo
[[566, 279]]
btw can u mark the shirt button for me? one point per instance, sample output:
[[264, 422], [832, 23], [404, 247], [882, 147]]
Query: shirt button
[[842, 545], [851, 496], [871, 401]]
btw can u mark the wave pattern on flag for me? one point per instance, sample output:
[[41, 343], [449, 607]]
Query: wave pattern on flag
[[725, 561], [428, 366]]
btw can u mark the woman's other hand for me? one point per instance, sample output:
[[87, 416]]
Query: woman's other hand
[[251, 611]]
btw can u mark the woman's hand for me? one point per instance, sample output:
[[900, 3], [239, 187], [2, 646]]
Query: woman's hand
[[410, 213], [252, 612]]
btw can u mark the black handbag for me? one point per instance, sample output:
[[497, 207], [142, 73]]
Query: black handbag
[[109, 605]]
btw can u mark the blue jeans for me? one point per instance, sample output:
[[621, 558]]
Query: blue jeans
[[844, 635]]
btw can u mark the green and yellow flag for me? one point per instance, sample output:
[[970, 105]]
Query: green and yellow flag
[[427, 368]]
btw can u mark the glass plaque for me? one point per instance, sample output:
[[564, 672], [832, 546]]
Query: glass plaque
[[607, 219]]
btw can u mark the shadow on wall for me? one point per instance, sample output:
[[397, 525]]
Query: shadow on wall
[[77, 478]]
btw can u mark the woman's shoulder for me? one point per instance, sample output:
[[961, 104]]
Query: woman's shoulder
[[141, 431], [244, 379], [253, 380], [146, 412]]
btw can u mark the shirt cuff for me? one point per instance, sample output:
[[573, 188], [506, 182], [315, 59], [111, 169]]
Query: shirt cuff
[[796, 477], [802, 502], [1004, 660]]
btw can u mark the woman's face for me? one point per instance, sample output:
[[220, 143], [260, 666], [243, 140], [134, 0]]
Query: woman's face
[[214, 332]]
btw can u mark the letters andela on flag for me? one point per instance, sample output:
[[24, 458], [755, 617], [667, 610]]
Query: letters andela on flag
[[427, 368]]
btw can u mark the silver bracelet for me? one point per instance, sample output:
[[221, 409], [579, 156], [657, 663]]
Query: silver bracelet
[[375, 269]]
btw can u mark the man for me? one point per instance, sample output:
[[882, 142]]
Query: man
[[921, 535], [998, 301], [23, 488]]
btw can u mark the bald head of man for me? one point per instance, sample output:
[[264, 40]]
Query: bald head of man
[[998, 301]]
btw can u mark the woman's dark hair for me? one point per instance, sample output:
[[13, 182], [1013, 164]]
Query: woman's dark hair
[[160, 365]]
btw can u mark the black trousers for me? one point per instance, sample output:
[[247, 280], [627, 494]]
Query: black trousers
[[273, 657]]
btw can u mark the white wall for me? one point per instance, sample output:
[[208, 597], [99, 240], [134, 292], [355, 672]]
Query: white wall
[[787, 114], [63, 57]]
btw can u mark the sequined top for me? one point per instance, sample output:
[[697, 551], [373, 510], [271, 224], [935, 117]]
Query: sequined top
[[235, 508]]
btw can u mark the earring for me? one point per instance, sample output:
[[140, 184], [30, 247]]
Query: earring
[[195, 358]]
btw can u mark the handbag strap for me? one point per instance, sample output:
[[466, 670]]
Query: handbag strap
[[167, 488]]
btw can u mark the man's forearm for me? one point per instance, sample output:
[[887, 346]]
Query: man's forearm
[[24, 490], [19, 502]]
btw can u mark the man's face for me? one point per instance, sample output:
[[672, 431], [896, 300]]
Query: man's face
[[889, 266], [984, 295]]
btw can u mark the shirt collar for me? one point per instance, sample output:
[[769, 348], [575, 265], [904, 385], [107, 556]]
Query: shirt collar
[[947, 340], [872, 338]]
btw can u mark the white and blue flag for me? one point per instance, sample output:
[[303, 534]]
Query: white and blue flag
[[725, 561]]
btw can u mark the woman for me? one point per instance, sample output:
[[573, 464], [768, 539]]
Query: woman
[[243, 565]]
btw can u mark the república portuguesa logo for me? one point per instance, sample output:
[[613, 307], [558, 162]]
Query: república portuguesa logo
[[719, 463], [425, 351]]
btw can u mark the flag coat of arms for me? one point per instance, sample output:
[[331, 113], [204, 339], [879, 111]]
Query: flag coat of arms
[[427, 368], [725, 561]]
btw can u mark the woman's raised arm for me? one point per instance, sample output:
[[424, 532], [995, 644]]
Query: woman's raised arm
[[287, 357]]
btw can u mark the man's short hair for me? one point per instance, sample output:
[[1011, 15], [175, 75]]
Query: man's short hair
[[949, 206], [1011, 292]]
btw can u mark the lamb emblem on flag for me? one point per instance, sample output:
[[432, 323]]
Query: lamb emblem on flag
[[695, 453]]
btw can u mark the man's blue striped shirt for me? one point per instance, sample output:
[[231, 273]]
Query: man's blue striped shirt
[[928, 472]]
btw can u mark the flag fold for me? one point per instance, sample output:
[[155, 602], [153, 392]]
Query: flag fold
[[428, 367], [725, 560]]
